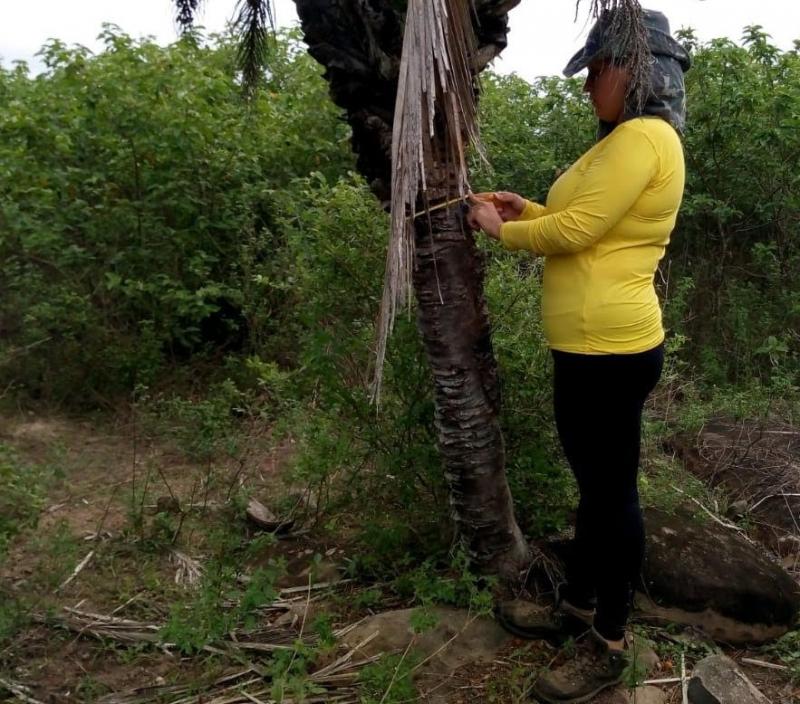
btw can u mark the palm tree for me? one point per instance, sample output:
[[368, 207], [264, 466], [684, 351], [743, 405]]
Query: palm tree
[[393, 84]]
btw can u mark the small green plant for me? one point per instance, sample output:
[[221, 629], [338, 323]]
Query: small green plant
[[21, 494], [289, 671], [221, 604], [368, 598], [787, 649], [13, 617], [454, 585], [389, 680]]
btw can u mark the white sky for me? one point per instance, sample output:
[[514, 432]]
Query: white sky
[[543, 34]]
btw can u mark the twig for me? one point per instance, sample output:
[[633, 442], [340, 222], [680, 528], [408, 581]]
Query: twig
[[340, 662], [18, 691], [397, 669], [77, 570], [761, 663], [712, 515], [127, 603], [446, 644], [771, 496], [251, 697], [313, 587], [439, 206], [684, 681], [665, 680]]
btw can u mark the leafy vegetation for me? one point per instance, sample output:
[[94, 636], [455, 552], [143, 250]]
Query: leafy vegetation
[[216, 266], [224, 262]]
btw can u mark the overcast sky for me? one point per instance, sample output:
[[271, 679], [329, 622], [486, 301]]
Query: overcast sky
[[543, 34]]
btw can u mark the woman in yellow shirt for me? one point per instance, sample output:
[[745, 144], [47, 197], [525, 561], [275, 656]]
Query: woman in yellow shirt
[[603, 230]]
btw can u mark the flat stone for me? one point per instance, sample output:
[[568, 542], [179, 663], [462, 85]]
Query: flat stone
[[640, 695], [458, 640], [708, 576], [641, 648], [300, 573], [717, 680], [265, 519], [646, 695]]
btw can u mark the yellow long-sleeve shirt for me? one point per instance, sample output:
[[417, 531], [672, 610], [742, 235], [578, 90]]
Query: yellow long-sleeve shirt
[[605, 227]]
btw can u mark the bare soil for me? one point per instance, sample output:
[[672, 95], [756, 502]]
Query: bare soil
[[102, 469]]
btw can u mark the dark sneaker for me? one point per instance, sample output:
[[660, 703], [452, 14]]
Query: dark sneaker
[[593, 668], [527, 619]]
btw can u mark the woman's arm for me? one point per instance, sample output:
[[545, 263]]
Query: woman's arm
[[531, 211], [612, 183]]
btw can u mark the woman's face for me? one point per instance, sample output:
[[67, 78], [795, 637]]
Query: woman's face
[[607, 86]]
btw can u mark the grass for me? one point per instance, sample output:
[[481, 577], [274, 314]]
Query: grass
[[133, 570]]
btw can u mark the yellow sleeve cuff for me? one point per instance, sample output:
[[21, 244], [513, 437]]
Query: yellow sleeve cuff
[[531, 211]]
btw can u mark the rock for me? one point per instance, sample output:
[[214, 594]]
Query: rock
[[756, 463], [640, 695], [611, 696], [297, 612], [708, 576], [646, 657], [738, 509], [717, 680], [301, 573], [265, 519], [646, 695], [458, 640]]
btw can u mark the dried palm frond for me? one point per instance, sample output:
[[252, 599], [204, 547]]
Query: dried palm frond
[[336, 683], [627, 37], [188, 571], [435, 90]]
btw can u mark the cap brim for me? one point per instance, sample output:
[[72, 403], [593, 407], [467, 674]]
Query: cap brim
[[577, 63]]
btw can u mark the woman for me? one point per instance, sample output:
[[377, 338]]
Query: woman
[[603, 230]]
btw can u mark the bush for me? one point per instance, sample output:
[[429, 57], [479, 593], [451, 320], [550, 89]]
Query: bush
[[137, 205]]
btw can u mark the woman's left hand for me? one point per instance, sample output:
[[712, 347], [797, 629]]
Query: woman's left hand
[[483, 215]]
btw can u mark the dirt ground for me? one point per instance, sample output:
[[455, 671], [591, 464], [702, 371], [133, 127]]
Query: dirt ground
[[88, 553]]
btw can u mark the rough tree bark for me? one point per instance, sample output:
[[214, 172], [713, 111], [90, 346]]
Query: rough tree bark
[[359, 43]]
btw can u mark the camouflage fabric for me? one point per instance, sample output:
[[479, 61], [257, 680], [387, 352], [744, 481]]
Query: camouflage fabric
[[667, 92]]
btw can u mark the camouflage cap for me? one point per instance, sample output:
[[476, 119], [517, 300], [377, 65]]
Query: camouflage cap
[[659, 39]]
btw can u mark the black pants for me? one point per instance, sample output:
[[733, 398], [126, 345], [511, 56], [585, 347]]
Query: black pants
[[598, 403]]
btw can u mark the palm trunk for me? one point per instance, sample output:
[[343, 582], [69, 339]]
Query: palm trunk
[[453, 320], [359, 43]]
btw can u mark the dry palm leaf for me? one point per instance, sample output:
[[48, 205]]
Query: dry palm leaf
[[435, 91]]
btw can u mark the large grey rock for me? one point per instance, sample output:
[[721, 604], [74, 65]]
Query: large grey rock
[[708, 576], [457, 640], [717, 680]]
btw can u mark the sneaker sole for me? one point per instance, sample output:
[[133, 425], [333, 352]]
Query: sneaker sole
[[559, 637], [529, 633]]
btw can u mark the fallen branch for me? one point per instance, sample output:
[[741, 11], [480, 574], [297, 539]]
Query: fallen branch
[[684, 681], [76, 571], [761, 663], [713, 516], [770, 496]]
